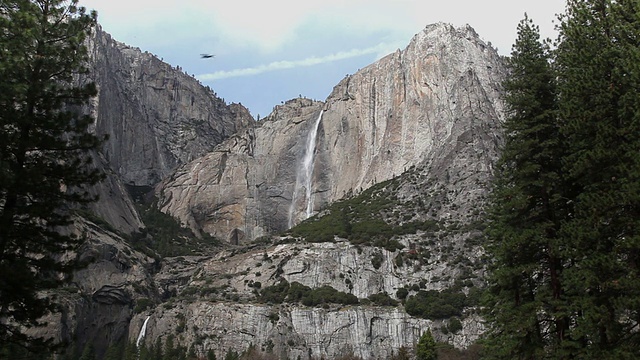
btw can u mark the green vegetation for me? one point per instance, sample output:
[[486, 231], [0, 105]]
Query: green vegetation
[[165, 236], [454, 325], [402, 293], [426, 348], [143, 304], [382, 299], [366, 219], [298, 293], [433, 304], [564, 235]]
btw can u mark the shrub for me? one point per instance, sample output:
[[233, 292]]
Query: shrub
[[382, 299], [434, 304], [143, 304], [402, 293], [454, 325], [327, 294], [377, 259], [297, 292], [274, 294]]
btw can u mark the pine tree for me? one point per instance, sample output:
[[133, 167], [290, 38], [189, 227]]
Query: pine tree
[[211, 355], [426, 347], [131, 352], [88, 353], [565, 230], [115, 351], [44, 145], [598, 61], [526, 286]]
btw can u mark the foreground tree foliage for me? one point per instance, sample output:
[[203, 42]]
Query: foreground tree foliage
[[599, 80], [565, 216], [44, 159], [528, 208]]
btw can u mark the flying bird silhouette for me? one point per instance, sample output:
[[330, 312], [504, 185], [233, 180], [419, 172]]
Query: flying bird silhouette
[[207, 56]]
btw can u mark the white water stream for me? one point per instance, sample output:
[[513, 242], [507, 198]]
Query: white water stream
[[305, 175], [143, 332]]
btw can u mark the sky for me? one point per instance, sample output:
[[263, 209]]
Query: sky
[[270, 51]]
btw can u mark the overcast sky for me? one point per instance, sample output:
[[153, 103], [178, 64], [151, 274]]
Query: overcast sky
[[269, 51]]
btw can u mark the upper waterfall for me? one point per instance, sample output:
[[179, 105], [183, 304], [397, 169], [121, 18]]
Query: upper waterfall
[[305, 175]]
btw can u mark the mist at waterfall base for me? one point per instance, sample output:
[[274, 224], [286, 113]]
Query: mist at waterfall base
[[304, 176]]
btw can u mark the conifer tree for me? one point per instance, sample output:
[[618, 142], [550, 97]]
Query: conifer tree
[[211, 355], [565, 281], [426, 347], [88, 353], [598, 61], [44, 145], [527, 209], [115, 351]]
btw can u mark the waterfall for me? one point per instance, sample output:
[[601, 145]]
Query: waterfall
[[305, 175], [143, 332]]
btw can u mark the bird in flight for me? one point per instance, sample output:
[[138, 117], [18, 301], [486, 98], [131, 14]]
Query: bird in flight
[[207, 56]]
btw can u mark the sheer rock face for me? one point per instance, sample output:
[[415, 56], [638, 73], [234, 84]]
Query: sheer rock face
[[436, 104], [243, 189], [423, 105], [97, 304], [367, 332], [204, 318], [157, 117], [114, 205]]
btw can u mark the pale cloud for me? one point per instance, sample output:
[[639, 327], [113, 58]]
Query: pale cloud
[[243, 33], [290, 64], [270, 26]]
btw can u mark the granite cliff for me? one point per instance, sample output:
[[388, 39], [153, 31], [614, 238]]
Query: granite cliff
[[435, 104], [157, 117], [420, 128], [405, 145]]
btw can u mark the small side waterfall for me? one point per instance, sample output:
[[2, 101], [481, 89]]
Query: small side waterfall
[[143, 332], [305, 175]]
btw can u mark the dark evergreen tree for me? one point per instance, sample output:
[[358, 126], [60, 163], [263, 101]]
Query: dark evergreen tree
[[426, 347], [528, 205], [211, 355], [88, 353], [157, 349], [598, 61], [44, 145], [114, 352], [131, 352], [565, 235]]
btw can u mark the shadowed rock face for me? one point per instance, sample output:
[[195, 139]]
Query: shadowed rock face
[[436, 104], [157, 116]]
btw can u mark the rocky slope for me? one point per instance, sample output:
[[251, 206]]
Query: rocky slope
[[436, 104]]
